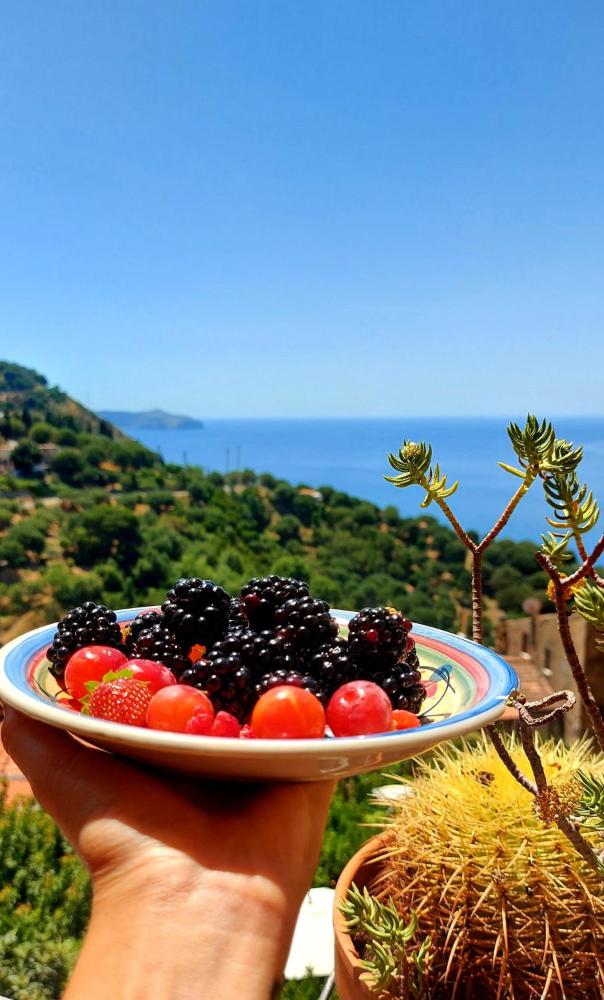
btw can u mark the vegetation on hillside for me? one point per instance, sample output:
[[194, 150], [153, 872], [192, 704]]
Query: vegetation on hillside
[[89, 514]]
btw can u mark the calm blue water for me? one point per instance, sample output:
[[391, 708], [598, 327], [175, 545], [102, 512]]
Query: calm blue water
[[351, 456]]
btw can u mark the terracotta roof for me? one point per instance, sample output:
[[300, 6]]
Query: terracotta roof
[[532, 683]]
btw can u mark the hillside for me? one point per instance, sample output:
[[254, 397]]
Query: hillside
[[87, 513]]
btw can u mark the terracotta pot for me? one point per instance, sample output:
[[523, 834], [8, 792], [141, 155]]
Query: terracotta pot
[[362, 869]]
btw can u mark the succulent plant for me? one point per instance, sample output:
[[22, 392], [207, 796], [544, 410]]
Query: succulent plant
[[510, 909]]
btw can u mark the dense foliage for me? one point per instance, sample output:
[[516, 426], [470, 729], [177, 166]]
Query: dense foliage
[[91, 514], [44, 903]]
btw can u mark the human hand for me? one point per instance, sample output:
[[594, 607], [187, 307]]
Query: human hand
[[196, 884]]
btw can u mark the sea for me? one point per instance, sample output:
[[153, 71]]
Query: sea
[[351, 455]]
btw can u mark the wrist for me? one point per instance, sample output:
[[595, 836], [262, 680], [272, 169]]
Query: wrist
[[182, 931]]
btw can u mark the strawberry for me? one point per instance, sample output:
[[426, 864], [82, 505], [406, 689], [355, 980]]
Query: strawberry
[[121, 700]]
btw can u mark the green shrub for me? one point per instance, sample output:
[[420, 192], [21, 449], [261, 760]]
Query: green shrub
[[44, 903]]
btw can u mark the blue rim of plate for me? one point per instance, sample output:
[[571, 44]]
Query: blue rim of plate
[[16, 658]]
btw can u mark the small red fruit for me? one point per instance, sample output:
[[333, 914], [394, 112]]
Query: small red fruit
[[402, 719], [122, 700], [245, 733], [91, 663], [172, 707], [200, 723], [288, 713], [155, 674], [358, 709], [225, 724]]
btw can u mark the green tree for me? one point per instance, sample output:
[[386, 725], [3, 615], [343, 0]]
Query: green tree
[[288, 529], [103, 532], [41, 432], [68, 465], [26, 457]]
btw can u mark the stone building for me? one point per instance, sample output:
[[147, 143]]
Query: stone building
[[536, 640]]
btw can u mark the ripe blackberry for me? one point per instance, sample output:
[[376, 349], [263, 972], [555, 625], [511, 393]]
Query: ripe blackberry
[[378, 635], [305, 623], [229, 671], [228, 684], [237, 618], [88, 625], [332, 665], [410, 658], [263, 595], [142, 623], [295, 679], [157, 643], [197, 611], [403, 686]]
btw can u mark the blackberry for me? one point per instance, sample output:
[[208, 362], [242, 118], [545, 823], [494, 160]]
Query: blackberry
[[377, 635], [403, 686], [197, 611], [305, 623], [140, 624], [237, 618], [263, 595], [332, 665], [229, 671], [295, 679], [157, 643], [230, 688], [88, 625]]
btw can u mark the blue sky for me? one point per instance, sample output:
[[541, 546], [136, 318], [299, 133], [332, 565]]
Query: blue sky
[[322, 207]]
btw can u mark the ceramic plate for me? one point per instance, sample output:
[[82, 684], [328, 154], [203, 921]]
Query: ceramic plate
[[467, 686]]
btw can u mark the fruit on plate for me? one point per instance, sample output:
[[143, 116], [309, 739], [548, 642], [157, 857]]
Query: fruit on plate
[[155, 674], [87, 625], [121, 700], [261, 597], [286, 713], [401, 719], [358, 709], [223, 724], [197, 611], [236, 651], [172, 707], [91, 664]]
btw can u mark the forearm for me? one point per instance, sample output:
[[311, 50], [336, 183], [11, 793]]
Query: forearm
[[225, 936]]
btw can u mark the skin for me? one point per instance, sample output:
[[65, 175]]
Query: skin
[[196, 885]]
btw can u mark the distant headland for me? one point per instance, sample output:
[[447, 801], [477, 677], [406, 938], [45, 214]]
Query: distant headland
[[150, 420]]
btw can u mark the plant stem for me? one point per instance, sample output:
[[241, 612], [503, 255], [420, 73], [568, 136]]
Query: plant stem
[[509, 762], [478, 549], [444, 506], [583, 570], [561, 586], [509, 509], [566, 826]]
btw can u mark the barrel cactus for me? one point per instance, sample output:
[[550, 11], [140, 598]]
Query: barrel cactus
[[510, 909]]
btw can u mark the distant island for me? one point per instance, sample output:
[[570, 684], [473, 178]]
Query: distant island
[[150, 420]]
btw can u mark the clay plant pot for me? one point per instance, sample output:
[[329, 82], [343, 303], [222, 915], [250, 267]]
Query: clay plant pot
[[362, 869]]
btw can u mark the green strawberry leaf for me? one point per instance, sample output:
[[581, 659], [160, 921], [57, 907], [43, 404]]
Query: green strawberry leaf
[[115, 675]]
